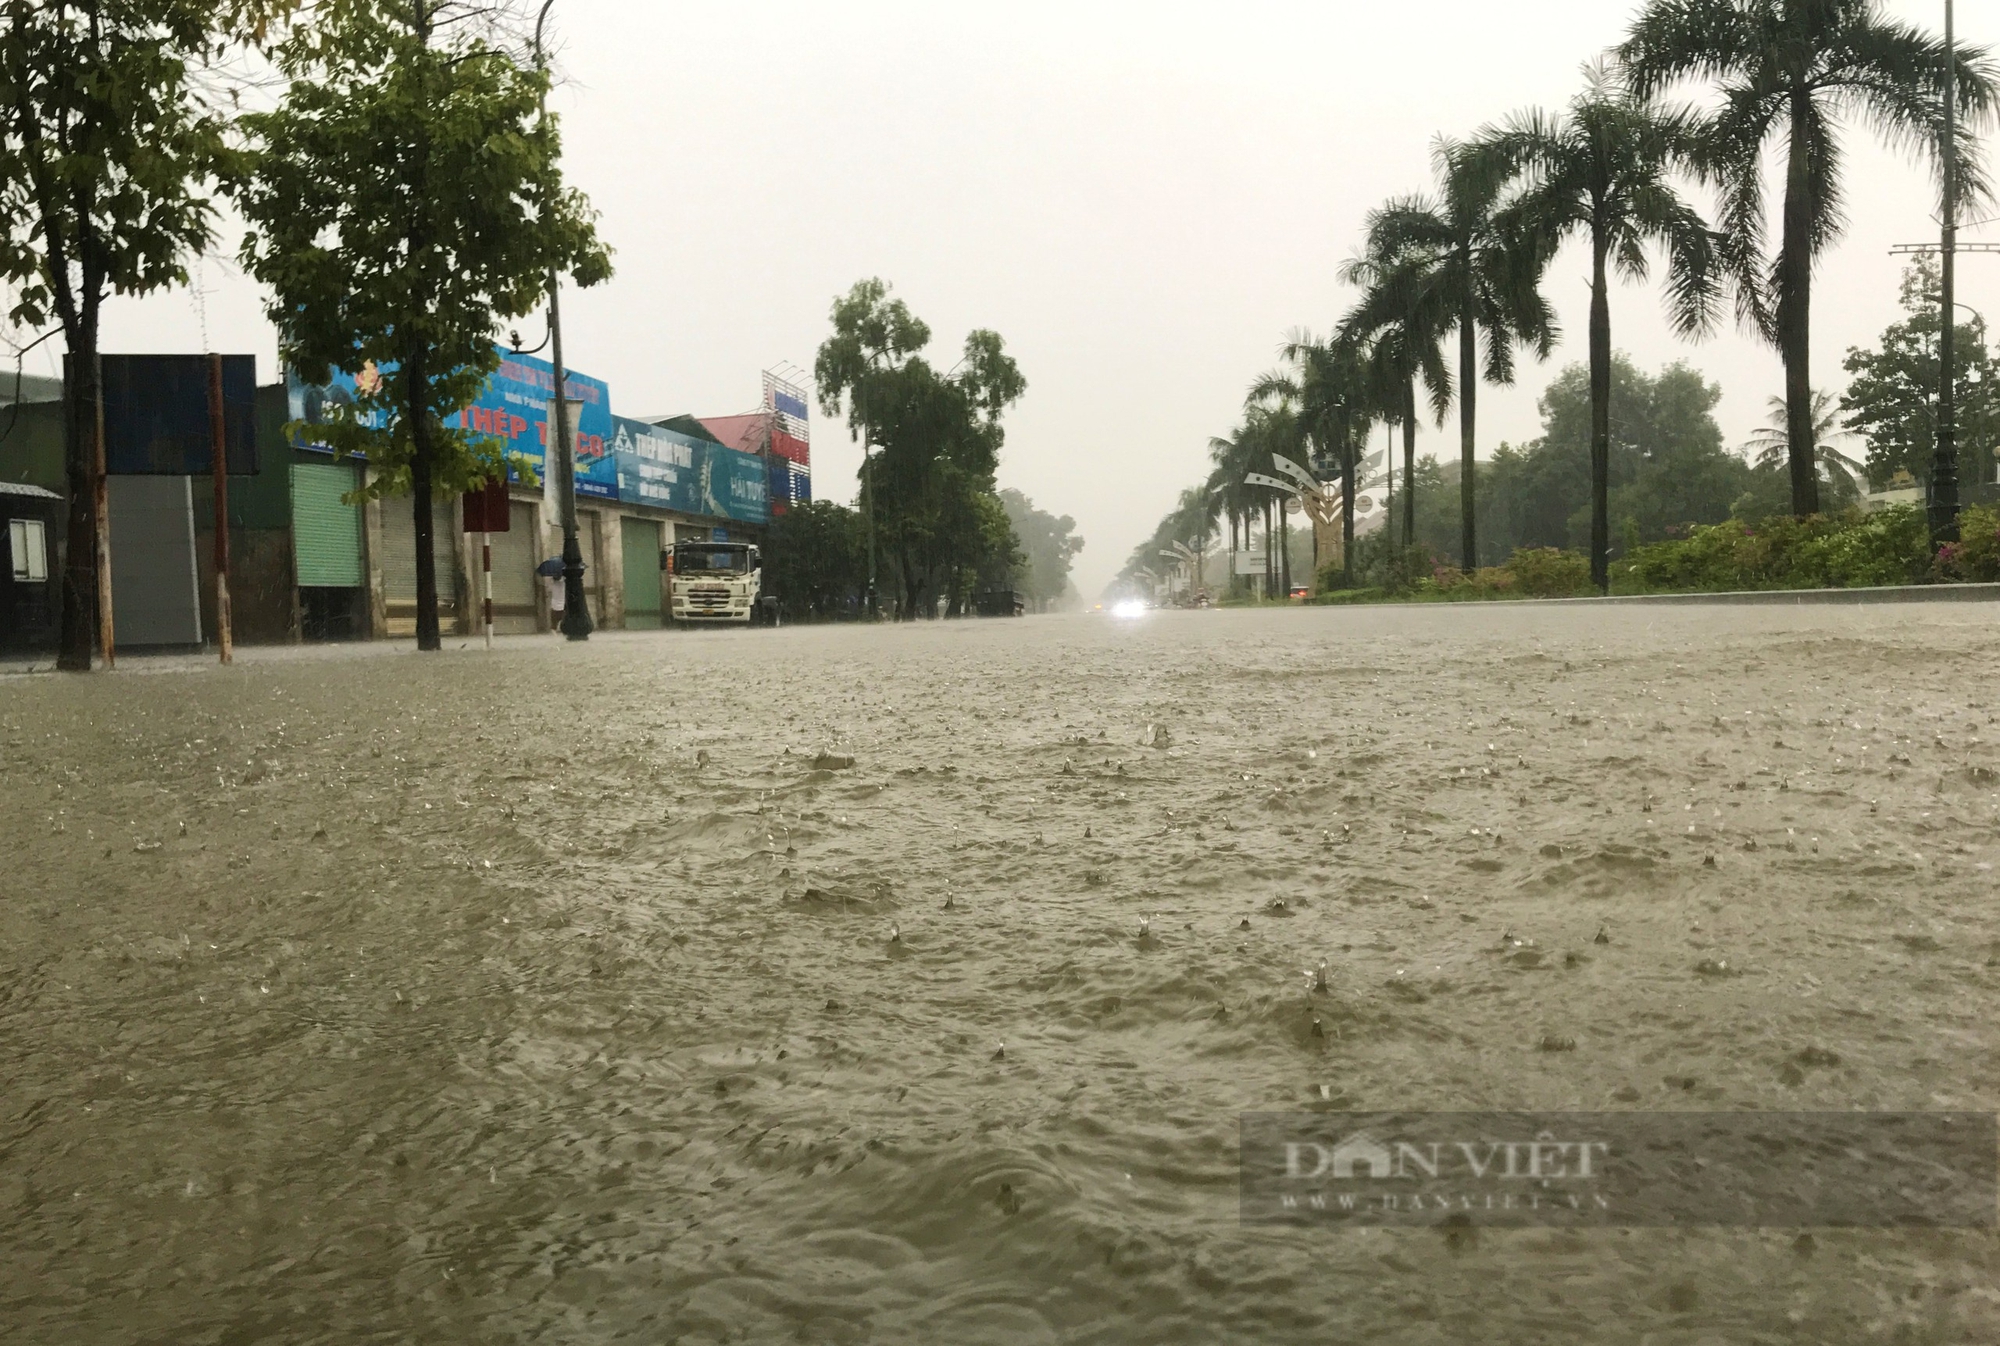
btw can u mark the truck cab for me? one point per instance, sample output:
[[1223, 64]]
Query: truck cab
[[715, 582]]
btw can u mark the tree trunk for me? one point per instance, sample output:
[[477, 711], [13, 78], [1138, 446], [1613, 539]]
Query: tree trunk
[[416, 371], [1284, 552], [1270, 561], [78, 634], [1794, 317], [421, 463], [1468, 389], [913, 588], [1410, 465], [1600, 417], [1347, 482], [1388, 486]]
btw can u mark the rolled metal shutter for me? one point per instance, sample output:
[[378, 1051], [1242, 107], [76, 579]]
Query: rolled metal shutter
[[515, 556], [399, 561], [640, 539], [326, 534], [399, 551], [155, 595]]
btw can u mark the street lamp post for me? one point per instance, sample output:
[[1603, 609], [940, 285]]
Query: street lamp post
[[1944, 465], [576, 623]]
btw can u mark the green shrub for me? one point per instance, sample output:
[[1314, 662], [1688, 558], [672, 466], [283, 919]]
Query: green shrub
[[1328, 577], [1549, 572], [1824, 551], [1453, 584]]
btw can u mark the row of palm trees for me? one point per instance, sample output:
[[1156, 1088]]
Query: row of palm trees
[[1463, 264]]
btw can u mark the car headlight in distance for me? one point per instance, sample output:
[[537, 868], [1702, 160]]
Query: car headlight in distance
[[1129, 607]]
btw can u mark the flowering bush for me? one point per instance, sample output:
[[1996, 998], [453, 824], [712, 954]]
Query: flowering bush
[[1976, 554]]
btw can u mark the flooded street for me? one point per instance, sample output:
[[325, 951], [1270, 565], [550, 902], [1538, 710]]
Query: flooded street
[[790, 985]]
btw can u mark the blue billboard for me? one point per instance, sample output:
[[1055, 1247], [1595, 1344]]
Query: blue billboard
[[616, 458], [513, 408], [791, 484], [669, 470]]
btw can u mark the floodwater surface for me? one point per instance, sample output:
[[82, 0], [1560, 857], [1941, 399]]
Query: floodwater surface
[[790, 986]]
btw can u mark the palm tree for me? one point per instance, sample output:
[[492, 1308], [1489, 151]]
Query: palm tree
[[1790, 70], [1329, 390], [1400, 354], [1269, 428], [1438, 263], [1603, 169], [1233, 456], [1770, 443]]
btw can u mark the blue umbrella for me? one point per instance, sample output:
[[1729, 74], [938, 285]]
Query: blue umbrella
[[552, 567]]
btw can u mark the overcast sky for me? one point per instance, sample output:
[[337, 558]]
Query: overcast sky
[[1142, 199]]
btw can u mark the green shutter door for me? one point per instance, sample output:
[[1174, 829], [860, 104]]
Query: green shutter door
[[641, 541], [326, 534]]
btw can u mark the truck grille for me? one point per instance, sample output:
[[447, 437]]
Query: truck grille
[[708, 598]]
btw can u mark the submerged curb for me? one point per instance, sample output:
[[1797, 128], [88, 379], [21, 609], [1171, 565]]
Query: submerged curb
[[1887, 593]]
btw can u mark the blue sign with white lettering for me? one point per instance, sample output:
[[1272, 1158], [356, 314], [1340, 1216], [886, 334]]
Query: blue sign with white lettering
[[513, 408], [669, 470]]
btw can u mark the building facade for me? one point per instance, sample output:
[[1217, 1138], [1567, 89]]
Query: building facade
[[307, 562]]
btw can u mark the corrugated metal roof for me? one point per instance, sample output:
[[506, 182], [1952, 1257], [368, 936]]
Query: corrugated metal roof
[[23, 488], [32, 388], [747, 433], [687, 425]]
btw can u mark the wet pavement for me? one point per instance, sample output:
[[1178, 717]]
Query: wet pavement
[[790, 985]]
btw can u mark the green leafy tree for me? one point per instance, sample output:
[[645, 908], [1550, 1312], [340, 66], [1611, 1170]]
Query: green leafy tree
[[1891, 399], [926, 495], [406, 200], [1603, 170], [1668, 465], [1445, 262], [816, 561], [1050, 546], [109, 135], [1789, 71], [860, 368]]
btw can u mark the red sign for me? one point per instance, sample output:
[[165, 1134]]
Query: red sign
[[785, 446], [486, 509]]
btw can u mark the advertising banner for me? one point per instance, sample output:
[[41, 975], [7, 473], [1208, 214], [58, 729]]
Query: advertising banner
[[791, 484], [791, 428], [785, 446], [669, 470], [513, 408]]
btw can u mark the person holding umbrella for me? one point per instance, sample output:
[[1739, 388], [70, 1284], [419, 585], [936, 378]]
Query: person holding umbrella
[[551, 572]]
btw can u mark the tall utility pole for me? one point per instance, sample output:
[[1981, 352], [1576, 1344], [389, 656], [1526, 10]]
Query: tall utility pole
[[868, 493], [1944, 466], [576, 622]]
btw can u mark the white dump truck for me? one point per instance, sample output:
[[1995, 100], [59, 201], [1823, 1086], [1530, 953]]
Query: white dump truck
[[718, 582]]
